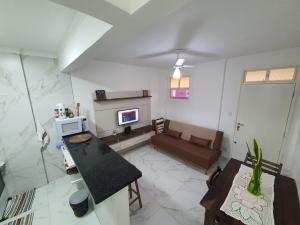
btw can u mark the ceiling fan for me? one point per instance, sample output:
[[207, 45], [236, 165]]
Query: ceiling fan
[[179, 64]]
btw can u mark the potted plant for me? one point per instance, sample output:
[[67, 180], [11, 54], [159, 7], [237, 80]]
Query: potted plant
[[256, 158]]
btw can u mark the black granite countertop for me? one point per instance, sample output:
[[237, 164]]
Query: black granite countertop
[[104, 171]]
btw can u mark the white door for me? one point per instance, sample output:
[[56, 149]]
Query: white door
[[263, 113]]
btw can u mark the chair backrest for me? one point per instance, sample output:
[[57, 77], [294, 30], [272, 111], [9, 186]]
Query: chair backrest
[[213, 177], [158, 125], [267, 166]]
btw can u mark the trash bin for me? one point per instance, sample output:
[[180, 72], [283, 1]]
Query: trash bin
[[79, 203]]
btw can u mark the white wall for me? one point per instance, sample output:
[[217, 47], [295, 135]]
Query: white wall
[[293, 153], [115, 77], [203, 106]]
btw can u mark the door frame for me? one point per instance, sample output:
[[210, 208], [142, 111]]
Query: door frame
[[291, 108]]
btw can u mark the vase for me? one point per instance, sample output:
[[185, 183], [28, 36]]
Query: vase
[[254, 184]]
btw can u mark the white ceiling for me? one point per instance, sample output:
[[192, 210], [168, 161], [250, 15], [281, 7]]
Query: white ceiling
[[126, 26], [220, 29], [35, 25]]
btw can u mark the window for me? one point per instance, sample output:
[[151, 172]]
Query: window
[[272, 75], [282, 74], [180, 88], [255, 76]]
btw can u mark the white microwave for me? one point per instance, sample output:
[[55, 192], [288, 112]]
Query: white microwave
[[70, 126]]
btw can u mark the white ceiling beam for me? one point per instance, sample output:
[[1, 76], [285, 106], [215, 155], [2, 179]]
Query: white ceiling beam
[[125, 26]]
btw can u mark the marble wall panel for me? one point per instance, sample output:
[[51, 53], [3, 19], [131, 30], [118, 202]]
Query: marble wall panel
[[19, 146], [47, 87], [18, 143]]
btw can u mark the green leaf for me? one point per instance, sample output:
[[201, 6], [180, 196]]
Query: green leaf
[[249, 151], [255, 148], [259, 160]]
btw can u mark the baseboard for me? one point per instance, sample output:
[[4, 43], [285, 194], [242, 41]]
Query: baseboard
[[133, 147]]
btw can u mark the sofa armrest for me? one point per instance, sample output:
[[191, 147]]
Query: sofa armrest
[[218, 141]]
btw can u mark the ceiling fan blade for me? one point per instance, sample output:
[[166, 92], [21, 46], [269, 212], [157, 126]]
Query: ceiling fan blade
[[156, 54], [198, 53], [179, 62], [188, 66]]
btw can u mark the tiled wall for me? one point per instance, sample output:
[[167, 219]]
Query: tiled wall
[[19, 145]]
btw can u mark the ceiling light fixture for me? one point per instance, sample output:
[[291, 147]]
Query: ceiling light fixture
[[177, 73], [179, 62]]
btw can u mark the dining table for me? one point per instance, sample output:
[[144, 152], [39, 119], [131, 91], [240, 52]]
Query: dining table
[[286, 207]]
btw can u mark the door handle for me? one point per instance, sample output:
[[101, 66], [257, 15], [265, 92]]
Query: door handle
[[239, 125]]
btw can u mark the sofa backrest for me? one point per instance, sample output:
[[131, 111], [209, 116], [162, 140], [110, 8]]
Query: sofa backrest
[[189, 129]]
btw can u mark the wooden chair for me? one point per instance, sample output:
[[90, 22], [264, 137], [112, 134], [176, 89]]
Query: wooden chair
[[211, 180], [158, 125], [213, 177], [267, 166], [136, 191]]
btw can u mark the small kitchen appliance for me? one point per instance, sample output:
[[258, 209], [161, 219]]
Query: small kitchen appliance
[[70, 126]]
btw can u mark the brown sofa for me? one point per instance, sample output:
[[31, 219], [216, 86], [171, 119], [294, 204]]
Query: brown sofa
[[183, 147]]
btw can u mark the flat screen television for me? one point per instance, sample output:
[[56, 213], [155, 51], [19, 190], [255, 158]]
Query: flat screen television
[[128, 116]]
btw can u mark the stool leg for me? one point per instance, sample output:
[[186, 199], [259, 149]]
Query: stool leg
[[130, 191], [138, 193]]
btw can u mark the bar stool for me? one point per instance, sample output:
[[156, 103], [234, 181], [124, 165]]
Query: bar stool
[[136, 191]]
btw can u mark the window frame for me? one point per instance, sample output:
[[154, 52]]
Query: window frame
[[268, 70], [178, 88]]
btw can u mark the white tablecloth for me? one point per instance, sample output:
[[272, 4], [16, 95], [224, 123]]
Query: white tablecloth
[[247, 208]]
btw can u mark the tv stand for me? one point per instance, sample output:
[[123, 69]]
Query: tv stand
[[123, 142], [126, 134]]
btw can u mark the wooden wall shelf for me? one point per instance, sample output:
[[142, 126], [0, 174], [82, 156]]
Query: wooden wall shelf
[[117, 99]]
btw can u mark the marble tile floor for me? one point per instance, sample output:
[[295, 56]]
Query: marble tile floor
[[51, 205], [170, 189]]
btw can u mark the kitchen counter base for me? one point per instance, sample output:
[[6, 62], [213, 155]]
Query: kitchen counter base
[[114, 210]]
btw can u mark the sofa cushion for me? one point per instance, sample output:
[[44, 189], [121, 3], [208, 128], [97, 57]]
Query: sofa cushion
[[189, 129], [174, 133], [202, 142], [185, 149]]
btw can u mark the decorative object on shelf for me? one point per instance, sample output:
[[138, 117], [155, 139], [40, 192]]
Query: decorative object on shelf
[[145, 93], [100, 94], [71, 114], [254, 184], [56, 113], [59, 111], [67, 112]]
